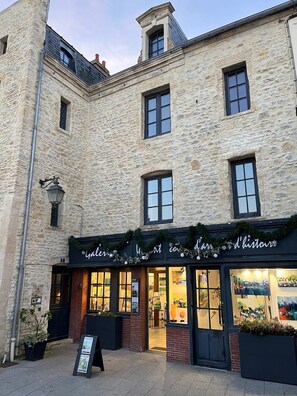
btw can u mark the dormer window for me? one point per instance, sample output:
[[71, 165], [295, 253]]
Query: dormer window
[[67, 59], [156, 43]]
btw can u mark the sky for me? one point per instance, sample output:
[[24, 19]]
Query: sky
[[109, 27]]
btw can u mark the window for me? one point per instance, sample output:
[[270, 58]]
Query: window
[[158, 200], [3, 45], [124, 291], [264, 293], [177, 306], [64, 114], [157, 112], [245, 188], [100, 291], [67, 59], [156, 43], [237, 91]]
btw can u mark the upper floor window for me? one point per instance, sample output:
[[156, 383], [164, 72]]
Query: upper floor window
[[237, 91], [158, 199], [3, 45], [245, 188], [64, 110], [100, 291], [157, 114], [156, 43], [124, 291], [67, 59]]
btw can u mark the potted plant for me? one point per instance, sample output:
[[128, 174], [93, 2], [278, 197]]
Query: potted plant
[[107, 326], [36, 328], [268, 351]]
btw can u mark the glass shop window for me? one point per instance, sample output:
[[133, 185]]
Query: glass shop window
[[264, 294], [177, 303], [100, 291], [125, 291]]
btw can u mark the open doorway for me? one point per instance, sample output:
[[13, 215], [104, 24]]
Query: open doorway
[[157, 308]]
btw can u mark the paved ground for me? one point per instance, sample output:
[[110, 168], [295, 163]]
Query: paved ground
[[127, 373]]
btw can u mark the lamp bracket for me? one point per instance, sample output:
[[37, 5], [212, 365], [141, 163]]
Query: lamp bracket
[[47, 181]]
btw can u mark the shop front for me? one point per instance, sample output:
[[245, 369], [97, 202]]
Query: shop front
[[185, 293]]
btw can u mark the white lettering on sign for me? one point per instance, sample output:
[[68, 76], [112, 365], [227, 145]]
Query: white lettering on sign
[[95, 253], [247, 242]]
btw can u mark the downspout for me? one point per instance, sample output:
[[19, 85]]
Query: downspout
[[20, 280]]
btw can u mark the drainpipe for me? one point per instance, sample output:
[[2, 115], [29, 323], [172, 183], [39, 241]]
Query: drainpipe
[[20, 280]]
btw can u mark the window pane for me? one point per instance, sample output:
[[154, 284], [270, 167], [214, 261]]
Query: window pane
[[167, 213], [250, 187], [241, 188], [242, 91], [233, 93], [252, 204], [167, 198], [152, 186], [215, 320], [167, 183], [165, 112], [152, 130], [203, 318], [177, 304], [234, 108], [154, 46], [242, 206], [165, 126], [241, 77], [165, 99], [243, 105], [249, 172], [153, 214], [152, 116], [100, 277], [151, 104], [232, 80], [152, 200], [239, 172]]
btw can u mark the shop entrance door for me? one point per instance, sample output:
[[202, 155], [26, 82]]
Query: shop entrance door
[[210, 338], [157, 308]]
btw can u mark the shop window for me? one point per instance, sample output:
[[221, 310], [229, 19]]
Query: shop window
[[3, 45], [177, 303], [124, 291], [157, 114], [158, 200], [156, 43], [237, 91], [100, 291], [245, 188], [264, 294]]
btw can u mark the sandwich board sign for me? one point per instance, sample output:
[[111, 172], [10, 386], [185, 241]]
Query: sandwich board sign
[[89, 354]]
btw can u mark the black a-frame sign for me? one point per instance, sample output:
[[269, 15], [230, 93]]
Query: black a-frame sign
[[89, 354]]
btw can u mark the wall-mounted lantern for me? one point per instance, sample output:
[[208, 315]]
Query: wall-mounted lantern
[[55, 195]]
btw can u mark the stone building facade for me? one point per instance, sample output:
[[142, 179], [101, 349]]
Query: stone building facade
[[104, 156]]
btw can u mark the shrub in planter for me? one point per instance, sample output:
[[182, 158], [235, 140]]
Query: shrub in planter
[[268, 351], [107, 326], [35, 324]]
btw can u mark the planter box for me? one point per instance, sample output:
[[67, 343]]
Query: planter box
[[108, 328], [35, 352], [268, 358]]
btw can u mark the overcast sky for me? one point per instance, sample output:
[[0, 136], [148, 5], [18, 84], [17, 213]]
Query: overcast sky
[[109, 28]]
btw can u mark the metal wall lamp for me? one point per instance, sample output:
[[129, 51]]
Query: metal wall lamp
[[55, 194]]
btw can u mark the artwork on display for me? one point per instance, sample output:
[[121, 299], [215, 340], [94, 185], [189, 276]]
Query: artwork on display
[[287, 281], [83, 363], [135, 296], [251, 288], [87, 345], [178, 277], [250, 313], [287, 308]]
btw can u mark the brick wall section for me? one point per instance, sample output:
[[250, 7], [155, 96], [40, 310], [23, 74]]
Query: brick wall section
[[138, 322], [78, 310], [126, 333], [178, 344], [234, 351]]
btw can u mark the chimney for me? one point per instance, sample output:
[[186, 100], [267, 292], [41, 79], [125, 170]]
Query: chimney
[[100, 66]]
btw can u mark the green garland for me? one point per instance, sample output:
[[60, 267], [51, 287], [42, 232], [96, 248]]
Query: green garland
[[200, 229]]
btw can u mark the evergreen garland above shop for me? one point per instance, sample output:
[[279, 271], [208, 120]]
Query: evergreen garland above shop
[[212, 246]]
